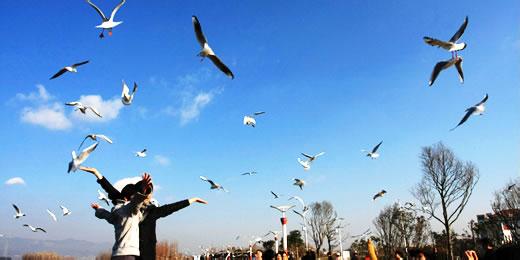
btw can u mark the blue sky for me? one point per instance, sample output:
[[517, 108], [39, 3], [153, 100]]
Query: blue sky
[[333, 76]]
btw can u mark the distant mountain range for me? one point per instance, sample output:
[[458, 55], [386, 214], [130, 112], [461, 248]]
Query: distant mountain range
[[16, 247]]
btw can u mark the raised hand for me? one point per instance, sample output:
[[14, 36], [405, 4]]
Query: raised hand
[[92, 170], [198, 200], [95, 206]]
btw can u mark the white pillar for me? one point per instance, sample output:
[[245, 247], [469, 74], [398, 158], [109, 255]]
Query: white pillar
[[340, 244], [284, 231], [276, 244]]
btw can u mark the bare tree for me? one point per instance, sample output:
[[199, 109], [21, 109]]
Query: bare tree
[[387, 229], [321, 221], [447, 182], [506, 207]]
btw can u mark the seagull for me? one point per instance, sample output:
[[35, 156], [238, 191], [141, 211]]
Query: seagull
[[102, 196], [379, 194], [307, 163], [214, 186], [78, 160], [477, 109], [141, 154], [510, 187], [33, 229], [373, 154], [283, 208], [107, 23], [126, 97], [409, 205], [457, 61], [94, 137], [237, 238], [206, 50], [52, 215], [19, 213], [276, 196], [302, 215], [66, 211], [71, 68], [299, 183], [82, 108], [451, 45], [249, 173], [250, 119]]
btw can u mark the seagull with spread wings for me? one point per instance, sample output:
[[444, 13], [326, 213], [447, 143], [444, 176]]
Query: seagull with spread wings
[[207, 51], [82, 108], [126, 96], [71, 68], [298, 182], [249, 173], [77, 160], [477, 109], [442, 65], [65, 211], [379, 194], [33, 229], [214, 185], [19, 213], [141, 154], [250, 119], [94, 137], [451, 45], [276, 196], [52, 215], [306, 164], [107, 23], [373, 154]]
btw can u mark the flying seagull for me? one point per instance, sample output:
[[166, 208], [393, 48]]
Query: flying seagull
[[373, 154], [107, 23], [299, 183], [250, 119], [249, 173], [94, 137], [71, 68], [306, 164], [33, 229], [214, 186], [102, 196], [141, 154], [65, 211], [207, 51], [275, 195], [379, 194], [82, 108], [510, 187], [19, 213], [302, 215], [451, 45], [440, 66], [477, 109], [409, 205], [78, 160], [52, 215], [126, 97]]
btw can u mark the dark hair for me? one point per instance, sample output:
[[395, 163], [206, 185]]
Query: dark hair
[[398, 252], [128, 191]]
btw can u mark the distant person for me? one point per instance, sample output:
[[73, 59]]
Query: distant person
[[151, 213], [125, 216], [258, 254], [398, 255]]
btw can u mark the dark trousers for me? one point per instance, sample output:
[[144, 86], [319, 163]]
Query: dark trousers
[[124, 257]]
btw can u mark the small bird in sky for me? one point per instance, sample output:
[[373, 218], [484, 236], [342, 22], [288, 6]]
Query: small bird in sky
[[65, 211], [82, 108], [77, 160], [299, 183], [249, 173], [94, 137], [442, 65], [71, 68], [373, 154], [102, 196], [207, 51], [33, 229], [52, 215], [276, 196], [19, 213], [451, 45], [510, 187], [250, 119], [107, 23], [126, 97], [306, 164], [477, 109], [379, 194], [141, 154], [214, 185]]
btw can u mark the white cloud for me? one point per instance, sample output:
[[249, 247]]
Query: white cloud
[[109, 109], [15, 181], [51, 117], [191, 110], [120, 184], [162, 160], [41, 96]]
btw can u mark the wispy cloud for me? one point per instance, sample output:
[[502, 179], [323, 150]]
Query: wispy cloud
[[41, 96], [162, 160], [15, 181], [191, 110]]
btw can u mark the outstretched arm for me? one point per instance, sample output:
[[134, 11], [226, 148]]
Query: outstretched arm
[[113, 193], [102, 213], [166, 210]]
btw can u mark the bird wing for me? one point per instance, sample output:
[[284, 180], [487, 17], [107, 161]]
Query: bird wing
[[212, 183], [105, 138], [52, 215], [43, 230], [17, 209], [143, 151], [65, 210], [274, 194], [221, 66], [259, 113], [458, 65], [59, 73], [203, 178], [86, 152], [116, 9], [461, 30], [95, 111], [376, 196], [126, 91], [318, 155], [298, 213], [437, 69], [97, 10], [299, 199], [80, 63], [376, 147], [469, 111], [308, 156], [73, 103], [483, 100], [86, 137], [198, 31], [246, 173], [303, 163], [437, 42], [135, 88]]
